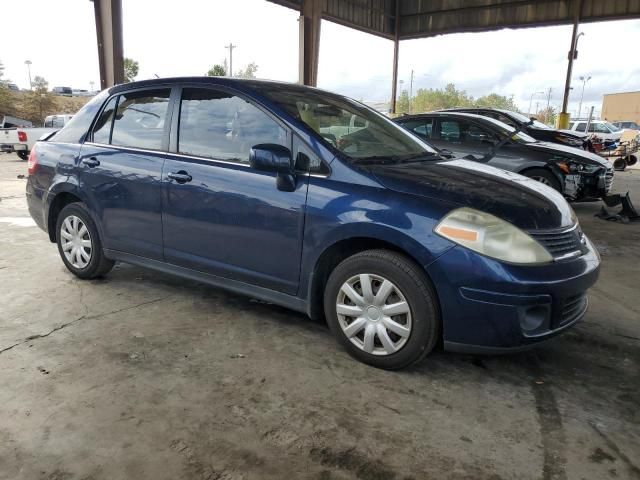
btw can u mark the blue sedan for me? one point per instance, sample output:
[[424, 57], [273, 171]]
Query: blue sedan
[[313, 201]]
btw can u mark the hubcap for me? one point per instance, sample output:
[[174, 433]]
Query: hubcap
[[373, 314], [76, 241], [542, 180]]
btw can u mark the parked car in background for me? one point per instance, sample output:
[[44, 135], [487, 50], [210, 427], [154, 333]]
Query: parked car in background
[[237, 184], [626, 124], [601, 128], [65, 91], [22, 140], [577, 174], [530, 126], [8, 121], [10, 86]]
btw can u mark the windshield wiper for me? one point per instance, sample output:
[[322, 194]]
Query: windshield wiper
[[494, 149], [387, 159]]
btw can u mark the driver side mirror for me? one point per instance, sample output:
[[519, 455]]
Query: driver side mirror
[[270, 157]]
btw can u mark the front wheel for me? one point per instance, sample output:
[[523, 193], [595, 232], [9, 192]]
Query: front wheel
[[382, 309], [79, 243], [544, 176]]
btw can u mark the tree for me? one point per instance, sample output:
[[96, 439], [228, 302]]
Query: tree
[[433, 99], [248, 72], [5, 94], [217, 71], [38, 103], [131, 68], [39, 84], [547, 115], [494, 100], [402, 105]]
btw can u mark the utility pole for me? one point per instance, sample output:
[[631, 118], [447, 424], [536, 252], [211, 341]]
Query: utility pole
[[563, 116], [410, 91], [546, 115], [531, 100], [584, 81], [28, 64], [231, 46]]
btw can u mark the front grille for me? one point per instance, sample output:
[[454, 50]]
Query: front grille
[[572, 308], [560, 243], [608, 179]]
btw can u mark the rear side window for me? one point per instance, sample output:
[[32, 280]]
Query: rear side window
[[102, 128], [223, 126], [140, 119], [423, 128], [464, 132], [581, 127]]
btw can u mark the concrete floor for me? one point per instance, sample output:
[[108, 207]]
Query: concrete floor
[[145, 376]]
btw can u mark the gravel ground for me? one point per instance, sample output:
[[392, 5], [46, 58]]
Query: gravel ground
[[146, 376]]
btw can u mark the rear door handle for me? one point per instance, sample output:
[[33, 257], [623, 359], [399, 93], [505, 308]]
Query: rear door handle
[[91, 162], [180, 176]]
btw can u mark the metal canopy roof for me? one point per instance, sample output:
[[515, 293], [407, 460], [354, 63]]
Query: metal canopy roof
[[425, 18]]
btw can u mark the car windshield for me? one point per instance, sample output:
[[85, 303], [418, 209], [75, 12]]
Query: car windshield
[[612, 127], [349, 127], [524, 119]]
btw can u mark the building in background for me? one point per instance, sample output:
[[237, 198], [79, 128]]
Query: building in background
[[621, 106]]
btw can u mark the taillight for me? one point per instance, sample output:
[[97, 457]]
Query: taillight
[[22, 136], [32, 163]]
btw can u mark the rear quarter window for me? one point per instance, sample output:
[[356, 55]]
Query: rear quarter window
[[75, 131]]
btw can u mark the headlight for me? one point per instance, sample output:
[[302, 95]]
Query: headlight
[[490, 236]]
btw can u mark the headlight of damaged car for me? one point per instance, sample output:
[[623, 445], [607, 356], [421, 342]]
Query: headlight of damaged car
[[491, 236]]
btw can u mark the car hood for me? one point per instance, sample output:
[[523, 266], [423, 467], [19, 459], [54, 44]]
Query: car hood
[[525, 203], [576, 154]]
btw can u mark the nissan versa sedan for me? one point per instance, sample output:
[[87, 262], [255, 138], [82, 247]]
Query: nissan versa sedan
[[313, 201], [576, 173]]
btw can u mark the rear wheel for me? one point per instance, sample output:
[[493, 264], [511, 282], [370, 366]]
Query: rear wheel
[[544, 176], [382, 309], [79, 243], [23, 155]]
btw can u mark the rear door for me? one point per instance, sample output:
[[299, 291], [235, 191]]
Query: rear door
[[121, 167], [221, 216]]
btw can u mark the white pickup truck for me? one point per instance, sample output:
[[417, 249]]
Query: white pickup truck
[[21, 140]]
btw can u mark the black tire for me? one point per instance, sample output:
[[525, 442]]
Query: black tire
[[544, 176], [98, 265], [23, 155], [418, 292]]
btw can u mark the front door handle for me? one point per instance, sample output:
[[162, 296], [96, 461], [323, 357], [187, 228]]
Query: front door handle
[[91, 162], [180, 176]]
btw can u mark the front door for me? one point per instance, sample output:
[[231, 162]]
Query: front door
[[121, 170], [221, 216]]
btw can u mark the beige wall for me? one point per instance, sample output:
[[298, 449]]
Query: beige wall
[[621, 106]]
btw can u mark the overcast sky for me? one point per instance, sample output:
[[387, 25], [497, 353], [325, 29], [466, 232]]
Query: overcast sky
[[186, 37]]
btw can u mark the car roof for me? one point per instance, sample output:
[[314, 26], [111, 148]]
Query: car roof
[[442, 113], [225, 81]]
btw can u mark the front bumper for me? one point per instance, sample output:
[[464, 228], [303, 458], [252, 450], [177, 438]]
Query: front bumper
[[587, 186], [489, 306]]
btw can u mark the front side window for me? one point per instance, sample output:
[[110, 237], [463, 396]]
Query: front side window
[[140, 119], [222, 126], [350, 128]]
